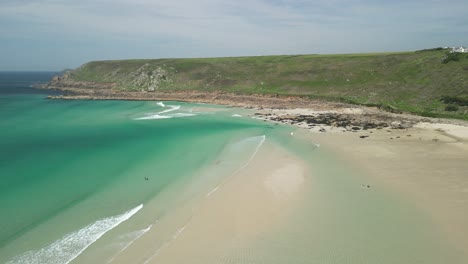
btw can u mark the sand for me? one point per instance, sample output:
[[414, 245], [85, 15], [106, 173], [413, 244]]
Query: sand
[[257, 199], [458, 132], [427, 165]]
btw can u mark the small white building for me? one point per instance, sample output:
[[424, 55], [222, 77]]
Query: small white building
[[459, 49]]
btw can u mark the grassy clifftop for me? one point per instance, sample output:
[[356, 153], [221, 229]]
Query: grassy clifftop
[[407, 81]]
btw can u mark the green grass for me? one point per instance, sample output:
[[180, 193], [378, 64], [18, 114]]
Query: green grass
[[404, 81]]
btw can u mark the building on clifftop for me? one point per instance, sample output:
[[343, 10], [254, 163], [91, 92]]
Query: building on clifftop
[[460, 49]]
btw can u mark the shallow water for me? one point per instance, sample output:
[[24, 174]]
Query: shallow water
[[68, 164], [82, 181]]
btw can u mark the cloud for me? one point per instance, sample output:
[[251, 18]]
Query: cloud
[[227, 28], [222, 19]]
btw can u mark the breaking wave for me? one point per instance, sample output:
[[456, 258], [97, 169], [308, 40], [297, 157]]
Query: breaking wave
[[70, 246], [165, 113]]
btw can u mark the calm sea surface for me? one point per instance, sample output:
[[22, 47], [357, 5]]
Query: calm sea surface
[[75, 172], [65, 165]]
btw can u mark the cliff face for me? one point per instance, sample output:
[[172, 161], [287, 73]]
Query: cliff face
[[408, 81], [64, 81]]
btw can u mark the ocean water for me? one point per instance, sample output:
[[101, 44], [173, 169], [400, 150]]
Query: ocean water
[[81, 181], [71, 171]]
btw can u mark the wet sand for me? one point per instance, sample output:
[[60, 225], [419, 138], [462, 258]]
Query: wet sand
[[277, 196], [426, 165], [408, 203], [255, 200], [280, 202]]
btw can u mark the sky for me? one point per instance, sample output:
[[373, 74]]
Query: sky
[[61, 34]]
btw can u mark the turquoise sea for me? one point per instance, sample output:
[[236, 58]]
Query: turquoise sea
[[76, 178]]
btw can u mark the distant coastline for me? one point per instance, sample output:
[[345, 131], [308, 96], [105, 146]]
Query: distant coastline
[[428, 83], [381, 143], [319, 89], [353, 171], [296, 110]]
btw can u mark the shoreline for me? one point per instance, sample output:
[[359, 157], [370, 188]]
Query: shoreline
[[224, 218], [423, 160], [361, 121], [420, 159], [214, 219], [424, 164], [295, 110], [213, 97]]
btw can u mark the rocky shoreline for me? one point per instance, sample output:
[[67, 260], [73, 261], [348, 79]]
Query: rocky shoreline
[[339, 121], [214, 97], [316, 115]]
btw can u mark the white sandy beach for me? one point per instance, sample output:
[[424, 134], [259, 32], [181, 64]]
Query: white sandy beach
[[257, 199], [427, 165], [419, 173]]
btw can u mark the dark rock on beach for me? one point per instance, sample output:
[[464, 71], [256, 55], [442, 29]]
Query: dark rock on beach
[[350, 122]]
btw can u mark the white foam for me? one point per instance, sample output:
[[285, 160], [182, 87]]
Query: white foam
[[137, 234], [179, 231], [166, 243], [161, 104], [262, 140], [241, 145], [171, 108], [156, 253], [236, 115], [69, 247], [151, 117], [213, 191], [159, 115], [182, 115]]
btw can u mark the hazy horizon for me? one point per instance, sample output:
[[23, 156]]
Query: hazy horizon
[[52, 35]]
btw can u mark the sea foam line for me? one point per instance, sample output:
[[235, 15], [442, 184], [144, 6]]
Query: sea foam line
[[181, 229], [166, 243], [242, 167], [150, 117], [159, 115], [171, 108], [66, 249], [156, 253], [213, 191], [140, 234], [182, 115]]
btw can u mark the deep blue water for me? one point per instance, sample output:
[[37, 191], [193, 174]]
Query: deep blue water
[[23, 82]]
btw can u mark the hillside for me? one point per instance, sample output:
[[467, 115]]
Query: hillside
[[407, 81]]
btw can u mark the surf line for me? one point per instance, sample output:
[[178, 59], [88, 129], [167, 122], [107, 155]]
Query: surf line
[[181, 229], [241, 168], [141, 233], [69, 247], [171, 108], [167, 242], [158, 114]]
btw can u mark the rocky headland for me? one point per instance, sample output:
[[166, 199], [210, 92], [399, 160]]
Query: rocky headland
[[316, 115]]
